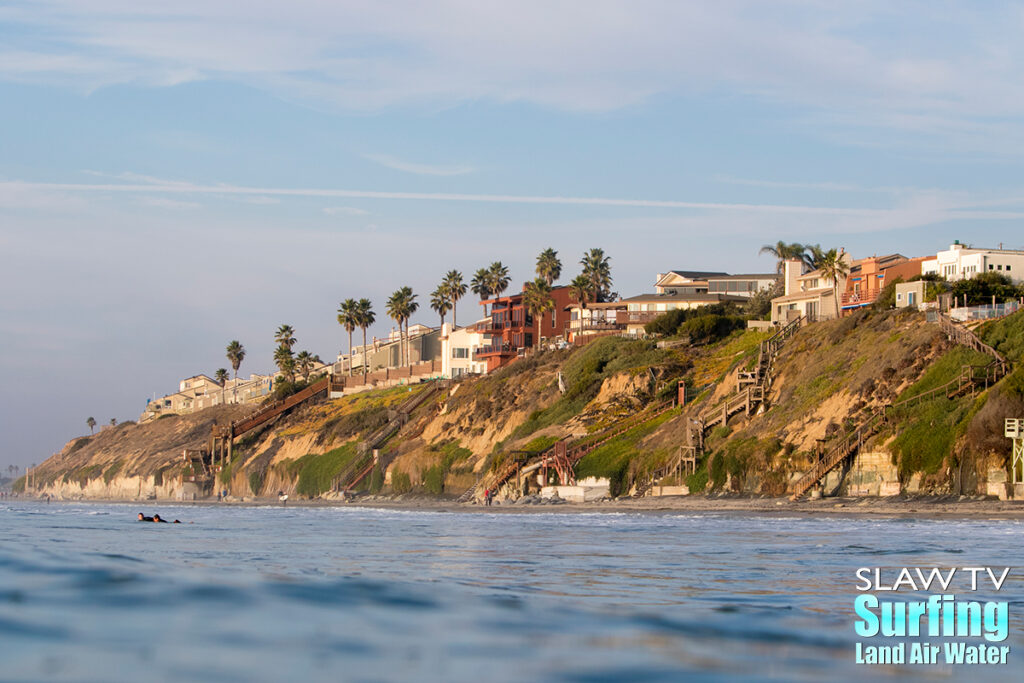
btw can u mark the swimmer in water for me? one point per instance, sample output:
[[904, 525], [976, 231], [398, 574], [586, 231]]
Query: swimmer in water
[[144, 518], [156, 518]]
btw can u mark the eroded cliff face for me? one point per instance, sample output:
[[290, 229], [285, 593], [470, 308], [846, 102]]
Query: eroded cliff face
[[827, 377]]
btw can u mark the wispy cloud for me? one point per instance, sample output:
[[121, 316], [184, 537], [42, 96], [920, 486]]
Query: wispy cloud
[[850, 64], [923, 208], [167, 203], [790, 185], [419, 169]]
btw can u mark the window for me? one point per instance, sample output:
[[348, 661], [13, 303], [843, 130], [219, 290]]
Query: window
[[991, 267], [460, 352], [1007, 267], [999, 267]]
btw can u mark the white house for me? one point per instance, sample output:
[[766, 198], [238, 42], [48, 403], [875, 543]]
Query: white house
[[808, 294], [961, 262], [459, 347]]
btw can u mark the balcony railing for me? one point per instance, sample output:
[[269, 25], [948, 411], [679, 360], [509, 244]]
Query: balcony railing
[[859, 298], [641, 317], [496, 350]]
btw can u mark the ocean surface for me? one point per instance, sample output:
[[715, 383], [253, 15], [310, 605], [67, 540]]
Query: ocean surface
[[87, 593]]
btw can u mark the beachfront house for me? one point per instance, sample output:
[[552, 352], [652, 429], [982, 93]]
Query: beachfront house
[[961, 262], [459, 346], [808, 294], [512, 329], [643, 308]]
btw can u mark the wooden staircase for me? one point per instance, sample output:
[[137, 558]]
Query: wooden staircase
[[969, 379]]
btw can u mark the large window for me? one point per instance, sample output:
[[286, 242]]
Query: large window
[[460, 352]]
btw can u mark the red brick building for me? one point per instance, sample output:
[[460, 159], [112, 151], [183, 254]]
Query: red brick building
[[512, 329]]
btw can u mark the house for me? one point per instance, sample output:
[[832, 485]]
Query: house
[[684, 281], [910, 294], [597, 319], [742, 285], [458, 349], [512, 328], [961, 262], [808, 294], [869, 276], [642, 309], [423, 344]]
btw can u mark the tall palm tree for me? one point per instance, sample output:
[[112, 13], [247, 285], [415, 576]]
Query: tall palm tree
[[91, 422], [813, 256], [456, 290], [365, 317], [401, 305], [833, 267], [410, 306], [285, 362], [579, 290], [440, 301], [538, 301], [236, 354], [348, 317], [783, 252], [113, 423], [304, 362], [481, 285], [548, 266], [597, 269], [222, 378], [285, 336], [497, 278]]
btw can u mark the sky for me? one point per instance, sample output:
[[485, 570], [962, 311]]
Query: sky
[[174, 176]]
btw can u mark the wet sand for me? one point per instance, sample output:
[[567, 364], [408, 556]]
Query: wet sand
[[954, 507]]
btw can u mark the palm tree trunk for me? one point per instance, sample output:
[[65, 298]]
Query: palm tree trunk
[[350, 353], [234, 388], [835, 296], [454, 304], [364, 352]]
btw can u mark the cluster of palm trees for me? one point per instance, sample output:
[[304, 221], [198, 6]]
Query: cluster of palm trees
[[90, 422], [446, 295], [831, 263], [290, 364], [490, 282], [12, 471], [353, 314]]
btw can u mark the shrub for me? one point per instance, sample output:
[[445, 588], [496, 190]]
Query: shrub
[[316, 473], [376, 480], [401, 482], [112, 472], [433, 480], [256, 481]]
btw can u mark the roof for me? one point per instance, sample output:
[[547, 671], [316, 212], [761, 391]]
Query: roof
[[800, 296], [689, 275], [701, 298], [749, 276], [883, 261]]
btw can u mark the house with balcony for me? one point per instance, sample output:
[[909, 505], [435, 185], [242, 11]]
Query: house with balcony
[[684, 281], [512, 329], [595, 320], [808, 294], [423, 343], [742, 285], [642, 309], [869, 276], [961, 262]]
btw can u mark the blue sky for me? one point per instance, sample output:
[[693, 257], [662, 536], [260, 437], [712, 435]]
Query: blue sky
[[174, 178]]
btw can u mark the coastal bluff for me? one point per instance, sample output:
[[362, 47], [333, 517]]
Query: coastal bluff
[[623, 411]]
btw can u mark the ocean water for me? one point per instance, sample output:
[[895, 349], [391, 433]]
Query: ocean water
[[356, 594]]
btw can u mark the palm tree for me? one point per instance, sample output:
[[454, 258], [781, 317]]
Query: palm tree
[[285, 336], [833, 267], [305, 362], [410, 306], [481, 285], [497, 278], [113, 423], [813, 256], [285, 362], [784, 252], [222, 378], [92, 424], [365, 317], [348, 317], [236, 354], [579, 290], [440, 302], [538, 300], [456, 290], [548, 266], [401, 305], [598, 271]]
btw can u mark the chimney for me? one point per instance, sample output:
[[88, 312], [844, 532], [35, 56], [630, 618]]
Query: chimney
[[794, 268]]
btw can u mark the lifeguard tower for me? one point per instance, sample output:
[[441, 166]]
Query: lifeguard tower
[[1015, 431]]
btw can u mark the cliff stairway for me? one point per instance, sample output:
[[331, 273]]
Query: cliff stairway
[[970, 379], [563, 455], [398, 417]]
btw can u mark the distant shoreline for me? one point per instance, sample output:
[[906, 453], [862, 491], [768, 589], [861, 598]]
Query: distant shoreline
[[931, 507]]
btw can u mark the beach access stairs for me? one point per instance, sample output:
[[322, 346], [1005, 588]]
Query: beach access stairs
[[969, 380], [368, 451]]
